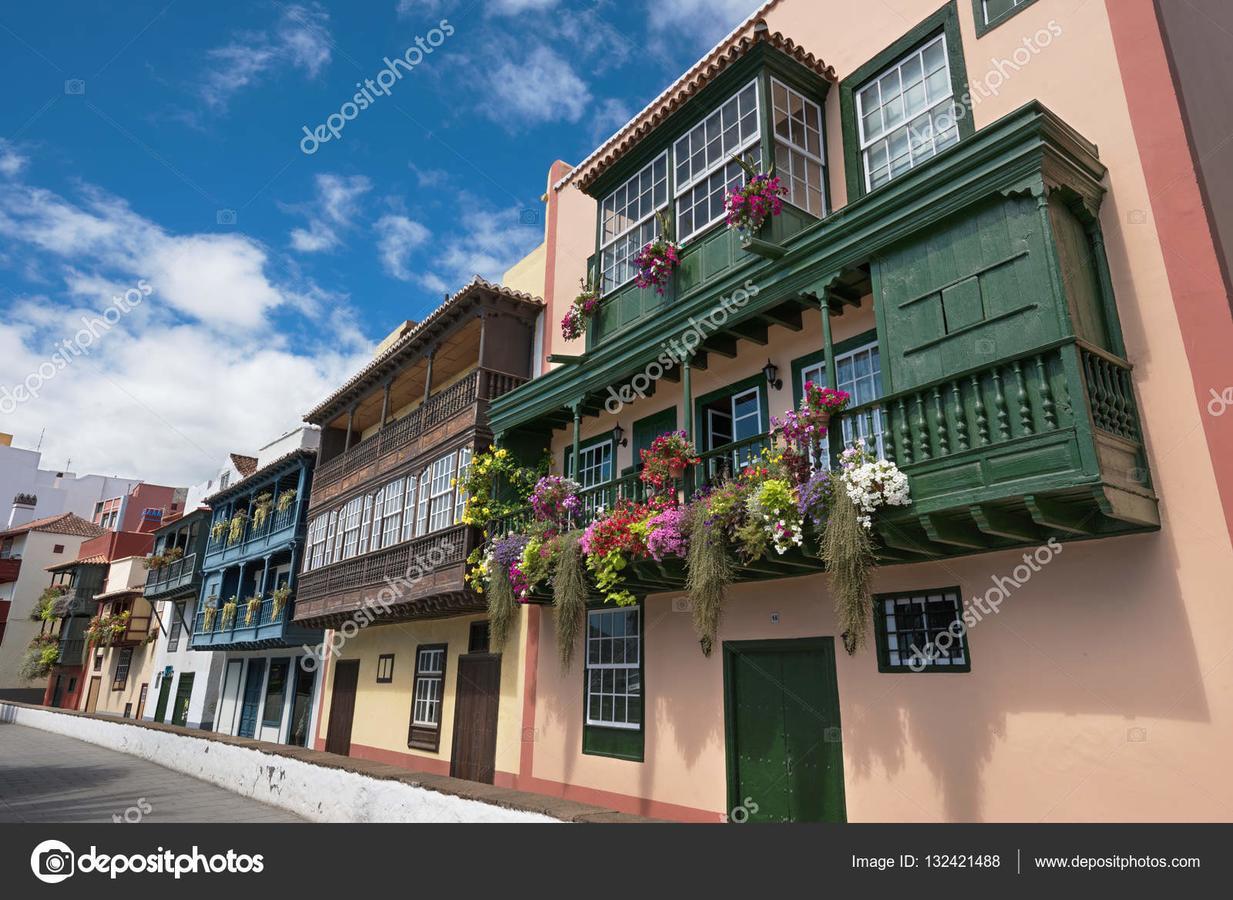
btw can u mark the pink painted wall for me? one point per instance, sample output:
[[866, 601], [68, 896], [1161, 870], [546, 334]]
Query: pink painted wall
[[1103, 690]]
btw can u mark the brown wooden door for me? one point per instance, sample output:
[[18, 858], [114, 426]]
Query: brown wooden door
[[474, 753], [342, 706], [141, 701], [96, 683]]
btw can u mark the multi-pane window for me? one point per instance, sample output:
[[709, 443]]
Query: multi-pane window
[[378, 520], [333, 537], [393, 512], [628, 223], [421, 514], [614, 677], [594, 468], [441, 494], [995, 10], [906, 114], [460, 496], [429, 677], [124, 660], [921, 630], [703, 159], [860, 374], [408, 510], [798, 147], [366, 528], [317, 542], [350, 528], [385, 668]]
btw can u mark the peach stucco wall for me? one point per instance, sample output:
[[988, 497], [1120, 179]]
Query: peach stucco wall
[[1103, 690]]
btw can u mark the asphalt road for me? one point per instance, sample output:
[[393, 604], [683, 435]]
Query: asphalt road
[[47, 777]]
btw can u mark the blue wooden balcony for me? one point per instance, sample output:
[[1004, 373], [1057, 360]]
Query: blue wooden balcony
[[275, 533], [264, 628]]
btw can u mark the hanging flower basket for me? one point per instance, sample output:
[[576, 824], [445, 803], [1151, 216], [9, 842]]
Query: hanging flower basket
[[758, 199], [286, 499], [574, 325], [665, 461], [657, 260]]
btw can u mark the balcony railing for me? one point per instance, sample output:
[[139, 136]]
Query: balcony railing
[[275, 523], [266, 627], [72, 650], [172, 576], [480, 386], [10, 568]]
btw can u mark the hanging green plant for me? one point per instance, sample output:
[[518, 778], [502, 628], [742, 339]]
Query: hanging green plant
[[252, 609], [208, 615], [235, 530], [494, 471], [569, 594], [281, 596], [287, 499], [45, 607], [847, 551], [229, 610], [261, 508], [502, 607], [709, 573], [218, 529], [42, 654]]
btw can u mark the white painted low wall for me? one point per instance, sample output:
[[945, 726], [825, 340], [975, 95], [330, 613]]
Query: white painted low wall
[[317, 793]]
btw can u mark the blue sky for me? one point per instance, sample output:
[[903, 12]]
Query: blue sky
[[155, 148]]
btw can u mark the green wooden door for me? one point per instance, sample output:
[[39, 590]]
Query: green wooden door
[[164, 692], [184, 694], [785, 756]]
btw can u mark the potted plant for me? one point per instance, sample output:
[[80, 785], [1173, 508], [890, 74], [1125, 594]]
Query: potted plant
[[261, 508], [286, 500], [555, 499], [229, 609], [749, 206], [218, 529], [574, 324], [664, 463], [252, 609], [279, 603], [209, 614], [235, 529], [656, 262]]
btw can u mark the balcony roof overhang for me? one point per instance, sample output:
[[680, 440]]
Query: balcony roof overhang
[[268, 473], [1028, 151]]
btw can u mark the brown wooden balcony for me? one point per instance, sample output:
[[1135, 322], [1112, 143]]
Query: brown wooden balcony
[[10, 568], [455, 409], [420, 578]]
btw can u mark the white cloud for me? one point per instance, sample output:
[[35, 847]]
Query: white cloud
[[301, 37], [332, 213], [397, 237], [218, 279], [220, 355], [488, 242], [542, 87], [610, 115], [513, 7], [709, 15], [11, 162]]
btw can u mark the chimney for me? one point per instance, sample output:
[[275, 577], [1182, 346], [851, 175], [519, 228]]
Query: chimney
[[23, 510]]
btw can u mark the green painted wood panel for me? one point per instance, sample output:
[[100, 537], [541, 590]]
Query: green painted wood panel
[[1080, 280], [784, 746], [976, 288]]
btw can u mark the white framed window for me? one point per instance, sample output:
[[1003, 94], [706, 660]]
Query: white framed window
[[350, 527], [614, 674], [393, 512], [429, 679], [332, 538], [628, 223], [906, 114], [460, 496], [366, 528], [316, 542], [378, 519], [860, 374], [909, 627], [593, 468], [993, 10], [421, 514], [441, 494], [703, 160], [408, 510], [799, 159]]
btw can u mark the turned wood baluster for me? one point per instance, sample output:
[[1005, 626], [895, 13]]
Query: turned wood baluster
[[905, 433], [1021, 394], [1096, 392], [940, 414], [999, 406], [982, 420], [1128, 412], [961, 419], [922, 427], [888, 433], [1046, 394]]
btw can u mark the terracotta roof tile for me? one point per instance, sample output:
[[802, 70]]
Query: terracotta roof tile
[[744, 38], [245, 465], [239, 486], [65, 523], [97, 559]]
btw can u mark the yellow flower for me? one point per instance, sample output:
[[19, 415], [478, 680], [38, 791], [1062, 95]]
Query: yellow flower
[[501, 454]]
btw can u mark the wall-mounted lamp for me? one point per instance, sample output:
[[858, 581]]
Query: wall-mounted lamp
[[618, 435], [771, 371]]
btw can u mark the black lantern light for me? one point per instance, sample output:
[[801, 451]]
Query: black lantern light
[[618, 435], [771, 371]]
